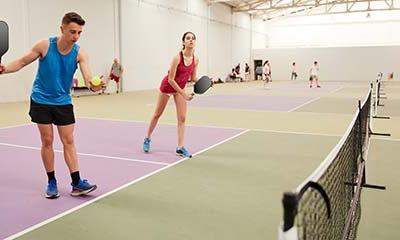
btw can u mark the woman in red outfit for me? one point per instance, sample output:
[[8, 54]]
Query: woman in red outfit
[[183, 67]]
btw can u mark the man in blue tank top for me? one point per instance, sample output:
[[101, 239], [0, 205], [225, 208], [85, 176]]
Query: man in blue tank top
[[51, 99]]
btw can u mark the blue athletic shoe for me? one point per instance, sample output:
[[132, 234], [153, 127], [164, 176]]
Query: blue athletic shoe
[[183, 152], [52, 191], [82, 188], [146, 145]]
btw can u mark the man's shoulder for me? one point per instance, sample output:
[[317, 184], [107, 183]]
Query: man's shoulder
[[42, 42], [41, 46]]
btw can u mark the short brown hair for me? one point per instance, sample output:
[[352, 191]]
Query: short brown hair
[[73, 17]]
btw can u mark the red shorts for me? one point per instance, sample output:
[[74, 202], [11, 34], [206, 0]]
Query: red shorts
[[115, 78]]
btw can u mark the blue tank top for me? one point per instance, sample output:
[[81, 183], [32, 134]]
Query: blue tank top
[[54, 77]]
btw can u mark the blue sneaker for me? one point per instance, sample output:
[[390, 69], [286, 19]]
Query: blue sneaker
[[82, 188], [146, 145], [52, 191], [183, 152]]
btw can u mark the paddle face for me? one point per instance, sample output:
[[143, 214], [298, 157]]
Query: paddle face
[[202, 85], [3, 38]]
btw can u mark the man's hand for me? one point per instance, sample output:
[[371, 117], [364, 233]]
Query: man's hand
[[97, 88]]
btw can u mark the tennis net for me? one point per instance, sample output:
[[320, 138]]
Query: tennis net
[[327, 204]]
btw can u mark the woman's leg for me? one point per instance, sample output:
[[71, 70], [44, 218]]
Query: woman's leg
[[161, 103], [181, 109]]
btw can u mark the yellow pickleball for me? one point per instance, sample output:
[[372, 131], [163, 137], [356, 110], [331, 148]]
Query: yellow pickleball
[[96, 81]]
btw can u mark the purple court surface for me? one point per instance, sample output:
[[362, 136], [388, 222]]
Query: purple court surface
[[110, 155], [251, 102], [293, 87]]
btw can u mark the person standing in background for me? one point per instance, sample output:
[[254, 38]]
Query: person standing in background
[[247, 72], [116, 73], [314, 71], [294, 73]]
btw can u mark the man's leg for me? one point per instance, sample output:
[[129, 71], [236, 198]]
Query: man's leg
[[316, 81], [79, 187], [66, 133], [47, 153]]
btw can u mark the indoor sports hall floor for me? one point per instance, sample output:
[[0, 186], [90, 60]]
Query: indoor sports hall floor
[[250, 144]]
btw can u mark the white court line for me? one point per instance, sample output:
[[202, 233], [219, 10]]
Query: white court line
[[115, 190], [168, 124], [297, 133], [312, 100], [89, 154], [336, 90], [233, 128], [385, 139]]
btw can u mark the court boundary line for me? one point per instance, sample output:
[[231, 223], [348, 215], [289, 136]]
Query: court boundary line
[[232, 128], [169, 124], [297, 133], [257, 110], [241, 129], [36, 226], [264, 111], [209, 126], [337, 90], [267, 111], [385, 139], [237, 109], [301, 105], [88, 154]]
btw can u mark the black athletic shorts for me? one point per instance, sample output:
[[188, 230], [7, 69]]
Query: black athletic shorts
[[52, 114]]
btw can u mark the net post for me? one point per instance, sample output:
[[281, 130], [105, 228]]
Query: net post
[[378, 89], [290, 203], [375, 110], [364, 176], [360, 143]]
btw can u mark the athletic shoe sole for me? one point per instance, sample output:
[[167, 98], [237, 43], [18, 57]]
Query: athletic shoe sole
[[80, 193], [51, 196], [181, 155]]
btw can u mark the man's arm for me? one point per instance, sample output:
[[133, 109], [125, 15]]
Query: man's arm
[[37, 51], [83, 61], [122, 71]]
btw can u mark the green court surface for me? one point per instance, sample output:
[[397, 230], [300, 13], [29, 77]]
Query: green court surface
[[232, 190]]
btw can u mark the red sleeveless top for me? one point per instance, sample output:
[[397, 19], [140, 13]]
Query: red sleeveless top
[[182, 75]]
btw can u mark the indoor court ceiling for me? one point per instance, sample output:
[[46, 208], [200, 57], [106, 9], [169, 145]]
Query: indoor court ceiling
[[270, 9]]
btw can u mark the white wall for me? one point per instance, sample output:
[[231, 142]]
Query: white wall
[[336, 63], [32, 20], [241, 40], [151, 33], [349, 47], [145, 34], [17, 86], [260, 35], [335, 30], [220, 41]]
